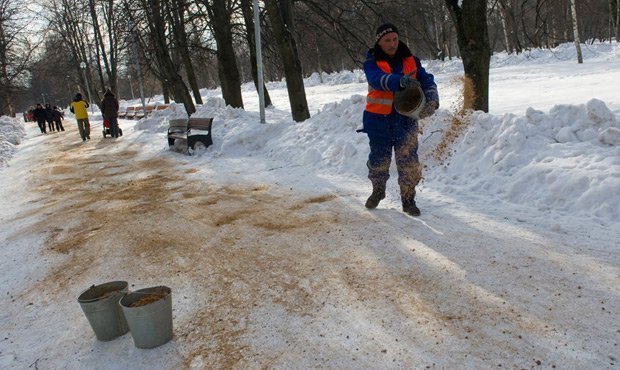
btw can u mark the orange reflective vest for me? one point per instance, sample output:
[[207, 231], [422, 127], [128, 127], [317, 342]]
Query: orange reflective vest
[[380, 101]]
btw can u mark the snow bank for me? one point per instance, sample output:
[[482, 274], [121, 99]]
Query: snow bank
[[566, 160], [12, 132]]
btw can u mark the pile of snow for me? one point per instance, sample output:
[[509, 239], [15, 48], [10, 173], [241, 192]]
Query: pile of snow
[[567, 160], [11, 134], [340, 78], [563, 52]]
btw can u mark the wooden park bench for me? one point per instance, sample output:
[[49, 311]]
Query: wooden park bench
[[122, 112], [152, 108], [139, 112], [194, 133], [130, 112], [149, 110]]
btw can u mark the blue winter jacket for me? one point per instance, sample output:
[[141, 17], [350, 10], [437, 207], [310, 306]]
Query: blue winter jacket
[[393, 123]]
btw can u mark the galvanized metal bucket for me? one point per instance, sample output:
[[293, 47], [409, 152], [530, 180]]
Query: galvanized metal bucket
[[149, 315], [100, 305], [409, 102]]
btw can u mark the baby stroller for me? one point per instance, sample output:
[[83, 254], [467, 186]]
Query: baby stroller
[[106, 129]]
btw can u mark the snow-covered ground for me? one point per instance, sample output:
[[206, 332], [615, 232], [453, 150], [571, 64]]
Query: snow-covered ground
[[515, 260]]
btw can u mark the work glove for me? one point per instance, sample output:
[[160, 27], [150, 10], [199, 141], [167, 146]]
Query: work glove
[[429, 109], [408, 82]]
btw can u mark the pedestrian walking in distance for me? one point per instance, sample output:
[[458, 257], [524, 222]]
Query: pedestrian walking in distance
[[79, 108], [40, 116], [109, 109]]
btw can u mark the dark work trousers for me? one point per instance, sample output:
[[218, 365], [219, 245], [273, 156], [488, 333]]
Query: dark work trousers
[[50, 124], [404, 143]]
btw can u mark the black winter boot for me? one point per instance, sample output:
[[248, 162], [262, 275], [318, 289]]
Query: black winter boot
[[378, 193], [410, 208], [408, 198]]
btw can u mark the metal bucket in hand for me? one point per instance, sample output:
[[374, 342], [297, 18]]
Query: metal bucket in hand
[[409, 102]]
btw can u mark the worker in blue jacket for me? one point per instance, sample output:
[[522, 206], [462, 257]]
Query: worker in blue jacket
[[390, 67]]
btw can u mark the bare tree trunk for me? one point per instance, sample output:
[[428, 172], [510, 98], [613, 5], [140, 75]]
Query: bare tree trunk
[[109, 58], [72, 30], [165, 93], [156, 24], [280, 15], [227, 68], [576, 32], [617, 20], [612, 21], [318, 56], [180, 36], [5, 95], [113, 37], [502, 17], [470, 22], [99, 47], [246, 9]]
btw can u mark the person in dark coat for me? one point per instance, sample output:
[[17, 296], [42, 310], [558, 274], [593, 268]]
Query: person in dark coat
[[391, 67], [40, 116], [49, 117], [109, 109], [58, 117]]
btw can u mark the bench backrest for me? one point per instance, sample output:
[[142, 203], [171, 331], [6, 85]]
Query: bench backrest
[[200, 123], [176, 124], [162, 107]]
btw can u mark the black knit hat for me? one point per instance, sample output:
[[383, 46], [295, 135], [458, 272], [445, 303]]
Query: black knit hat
[[384, 29]]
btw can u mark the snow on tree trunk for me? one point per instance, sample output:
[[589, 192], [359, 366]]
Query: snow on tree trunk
[[576, 32], [502, 17]]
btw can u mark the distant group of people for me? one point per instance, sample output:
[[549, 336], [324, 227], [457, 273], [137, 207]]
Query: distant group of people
[[53, 116]]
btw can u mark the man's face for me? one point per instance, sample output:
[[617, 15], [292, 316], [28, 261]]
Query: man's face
[[389, 43]]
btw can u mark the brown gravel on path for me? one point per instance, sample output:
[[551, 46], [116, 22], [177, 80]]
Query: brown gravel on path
[[116, 217], [262, 276]]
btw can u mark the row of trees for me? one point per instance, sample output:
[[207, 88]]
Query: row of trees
[[174, 47]]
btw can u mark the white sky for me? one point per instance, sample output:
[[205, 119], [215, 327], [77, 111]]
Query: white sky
[[514, 260]]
